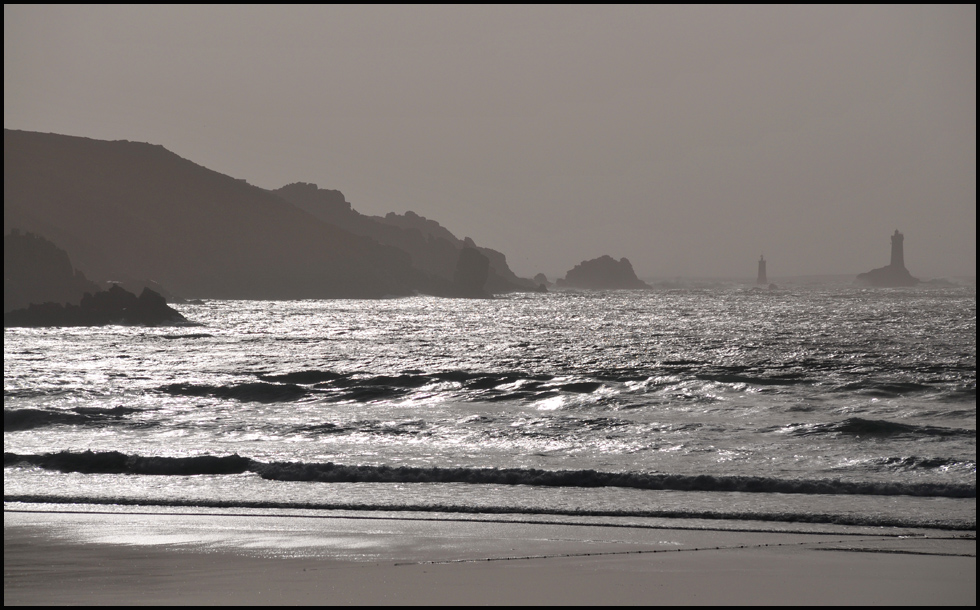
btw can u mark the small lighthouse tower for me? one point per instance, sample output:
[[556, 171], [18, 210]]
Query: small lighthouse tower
[[761, 279], [898, 250]]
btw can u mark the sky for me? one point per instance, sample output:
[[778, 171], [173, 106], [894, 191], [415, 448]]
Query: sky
[[689, 139]]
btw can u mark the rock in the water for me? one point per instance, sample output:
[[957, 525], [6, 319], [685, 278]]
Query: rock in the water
[[603, 273], [113, 306], [887, 277]]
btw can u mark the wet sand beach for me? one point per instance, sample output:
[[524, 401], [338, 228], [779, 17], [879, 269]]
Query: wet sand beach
[[140, 558]]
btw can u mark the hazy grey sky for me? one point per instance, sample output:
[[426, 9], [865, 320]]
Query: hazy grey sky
[[689, 139]]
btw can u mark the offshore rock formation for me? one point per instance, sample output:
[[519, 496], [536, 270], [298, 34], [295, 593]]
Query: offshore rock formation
[[895, 275], [603, 273], [37, 271], [113, 306]]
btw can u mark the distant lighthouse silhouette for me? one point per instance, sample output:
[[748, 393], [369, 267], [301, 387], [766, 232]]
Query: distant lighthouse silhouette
[[761, 279], [898, 250], [895, 274]]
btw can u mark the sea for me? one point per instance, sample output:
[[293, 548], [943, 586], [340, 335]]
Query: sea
[[813, 407]]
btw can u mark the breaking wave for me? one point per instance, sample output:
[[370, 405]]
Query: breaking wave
[[858, 426], [114, 462], [187, 336], [912, 463], [304, 377], [529, 386], [886, 389], [246, 392], [27, 419]]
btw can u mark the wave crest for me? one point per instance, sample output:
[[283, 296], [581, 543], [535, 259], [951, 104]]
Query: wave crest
[[119, 463]]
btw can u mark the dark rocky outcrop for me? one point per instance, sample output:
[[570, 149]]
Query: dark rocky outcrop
[[603, 273], [895, 275], [887, 277], [113, 306], [37, 271]]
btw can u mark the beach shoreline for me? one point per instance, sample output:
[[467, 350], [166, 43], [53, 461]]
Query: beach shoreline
[[86, 558]]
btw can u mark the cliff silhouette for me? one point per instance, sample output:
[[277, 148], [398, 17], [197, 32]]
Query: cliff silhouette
[[472, 271], [128, 211], [37, 271], [432, 248], [894, 275], [603, 273]]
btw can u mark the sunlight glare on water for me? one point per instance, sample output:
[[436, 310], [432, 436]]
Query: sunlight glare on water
[[814, 383]]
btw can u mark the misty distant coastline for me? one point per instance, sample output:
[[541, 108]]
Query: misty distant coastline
[[688, 141], [140, 216]]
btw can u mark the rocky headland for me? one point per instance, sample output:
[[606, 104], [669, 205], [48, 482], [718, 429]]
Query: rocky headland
[[35, 270], [433, 249], [472, 272], [128, 211]]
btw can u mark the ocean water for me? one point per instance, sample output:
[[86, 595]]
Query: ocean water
[[723, 406]]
